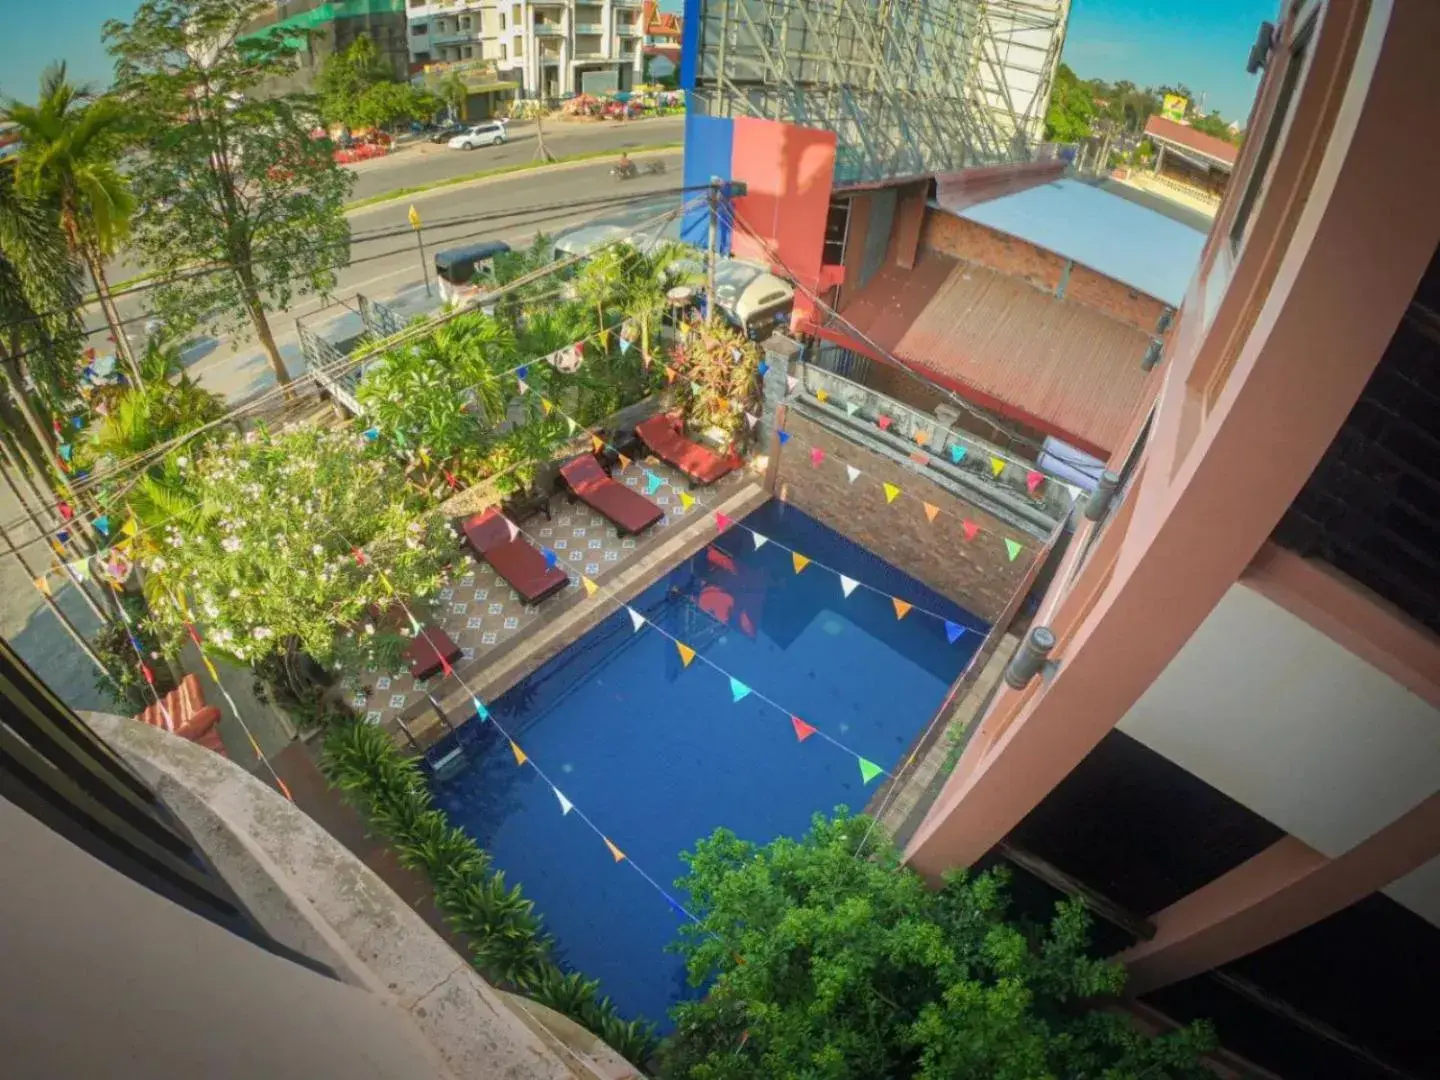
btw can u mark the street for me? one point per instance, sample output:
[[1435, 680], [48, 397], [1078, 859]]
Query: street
[[382, 269]]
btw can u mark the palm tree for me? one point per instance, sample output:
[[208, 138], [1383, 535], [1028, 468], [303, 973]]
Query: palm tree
[[646, 277], [454, 93], [70, 138]]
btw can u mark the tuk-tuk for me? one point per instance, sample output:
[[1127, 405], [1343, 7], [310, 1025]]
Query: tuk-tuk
[[463, 271]]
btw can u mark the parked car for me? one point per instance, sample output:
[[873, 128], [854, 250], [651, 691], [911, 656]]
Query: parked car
[[491, 133], [445, 132]]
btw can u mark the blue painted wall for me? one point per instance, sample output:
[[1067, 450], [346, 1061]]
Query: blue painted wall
[[709, 145], [690, 44]]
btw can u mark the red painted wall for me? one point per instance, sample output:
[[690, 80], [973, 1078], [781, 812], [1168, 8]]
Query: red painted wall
[[789, 171]]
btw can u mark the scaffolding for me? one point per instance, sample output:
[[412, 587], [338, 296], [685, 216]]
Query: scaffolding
[[910, 87]]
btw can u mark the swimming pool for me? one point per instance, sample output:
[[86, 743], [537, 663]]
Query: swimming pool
[[658, 754]]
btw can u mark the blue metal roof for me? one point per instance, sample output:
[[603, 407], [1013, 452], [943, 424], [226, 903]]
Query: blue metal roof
[[1111, 235]]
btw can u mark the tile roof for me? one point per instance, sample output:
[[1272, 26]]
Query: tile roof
[[1060, 366], [1183, 135]]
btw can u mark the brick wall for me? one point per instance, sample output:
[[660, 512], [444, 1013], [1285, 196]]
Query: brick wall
[[1112, 298], [962, 239], [978, 575]]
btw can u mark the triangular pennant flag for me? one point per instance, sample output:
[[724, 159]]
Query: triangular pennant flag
[[1033, 480], [868, 769], [760, 540], [851, 408], [816, 456], [783, 436], [452, 480], [822, 396], [66, 451], [1012, 548], [43, 584], [597, 444], [571, 426], [930, 511], [852, 472], [920, 459], [686, 500], [791, 382], [550, 557], [802, 730], [970, 529], [636, 619], [547, 406], [997, 465], [615, 852], [884, 422], [957, 454], [130, 528], [480, 710], [102, 523], [1076, 492], [723, 521], [696, 388], [520, 757], [210, 668], [590, 587], [675, 905], [513, 529], [565, 804], [799, 561], [738, 690], [669, 374], [902, 607], [686, 653], [922, 437], [953, 631], [425, 457], [891, 491], [684, 328], [625, 345], [445, 667], [751, 419], [81, 569], [522, 385], [736, 354], [625, 462], [762, 368], [847, 584], [371, 434], [653, 482], [66, 511]]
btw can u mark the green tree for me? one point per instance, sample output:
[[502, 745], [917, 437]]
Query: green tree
[[385, 105], [267, 557], [71, 140], [454, 93], [1072, 108], [1215, 125], [832, 967], [634, 283], [346, 77], [243, 208]]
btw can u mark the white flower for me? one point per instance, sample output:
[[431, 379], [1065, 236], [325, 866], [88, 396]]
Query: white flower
[[230, 543], [234, 594], [316, 549], [260, 633], [158, 564]]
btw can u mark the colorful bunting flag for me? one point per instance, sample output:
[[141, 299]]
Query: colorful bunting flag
[[550, 557], [686, 653], [523, 371], [686, 500], [625, 462], [957, 454], [696, 388], [884, 422], [480, 710], [512, 528], [653, 482], [816, 456], [102, 524], [738, 690], [66, 511], [522, 386], [852, 472], [799, 561], [997, 465], [66, 451], [922, 437], [930, 511], [970, 529], [847, 584], [590, 587], [625, 345], [597, 444], [920, 458], [723, 521], [802, 730], [891, 493], [783, 436], [736, 354], [902, 607], [615, 852], [751, 419], [868, 769], [791, 382], [571, 426], [822, 396], [762, 368], [446, 668], [669, 374], [80, 568], [371, 434], [636, 619], [851, 408], [760, 540], [43, 584], [520, 757], [1076, 492], [130, 528], [1012, 548], [565, 804], [1033, 480], [953, 631], [424, 457], [547, 406]]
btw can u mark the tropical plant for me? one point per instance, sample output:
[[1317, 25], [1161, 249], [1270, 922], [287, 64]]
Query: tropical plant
[[70, 143], [508, 943], [827, 964], [346, 77], [517, 456], [1072, 108], [284, 550], [634, 283], [444, 394], [387, 104], [510, 266], [718, 376], [454, 93], [241, 208], [40, 333]]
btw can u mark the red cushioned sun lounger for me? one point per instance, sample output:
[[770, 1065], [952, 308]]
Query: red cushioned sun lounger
[[426, 651], [630, 511], [701, 464], [488, 534]]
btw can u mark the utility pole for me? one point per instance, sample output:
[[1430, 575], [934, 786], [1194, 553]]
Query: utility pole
[[714, 199], [414, 218], [541, 153]]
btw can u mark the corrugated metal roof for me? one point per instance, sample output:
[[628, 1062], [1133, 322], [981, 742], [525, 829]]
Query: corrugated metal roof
[[1113, 236], [1074, 372], [1160, 127]]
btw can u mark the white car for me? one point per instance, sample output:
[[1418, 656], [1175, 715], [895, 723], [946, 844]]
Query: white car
[[490, 134]]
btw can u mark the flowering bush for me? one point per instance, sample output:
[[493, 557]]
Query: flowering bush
[[285, 550]]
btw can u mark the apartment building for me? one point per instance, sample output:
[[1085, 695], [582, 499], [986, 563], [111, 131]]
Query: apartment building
[[1223, 730], [551, 49]]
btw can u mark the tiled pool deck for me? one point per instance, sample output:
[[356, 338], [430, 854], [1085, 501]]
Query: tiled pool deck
[[489, 621]]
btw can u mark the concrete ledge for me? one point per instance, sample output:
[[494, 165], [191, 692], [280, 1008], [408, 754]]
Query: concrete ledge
[[312, 894]]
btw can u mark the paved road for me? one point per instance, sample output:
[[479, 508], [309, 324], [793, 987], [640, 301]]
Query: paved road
[[385, 269]]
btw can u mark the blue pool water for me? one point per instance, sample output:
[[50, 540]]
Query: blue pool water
[[658, 755]]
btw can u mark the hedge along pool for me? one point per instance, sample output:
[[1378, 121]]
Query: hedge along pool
[[658, 755]]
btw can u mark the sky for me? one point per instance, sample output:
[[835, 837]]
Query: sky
[[1202, 43]]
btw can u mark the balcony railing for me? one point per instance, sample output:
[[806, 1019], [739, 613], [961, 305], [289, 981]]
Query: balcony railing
[[548, 29], [452, 37], [589, 28]]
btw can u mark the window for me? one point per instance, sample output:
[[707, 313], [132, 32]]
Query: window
[[502, 20], [468, 52], [837, 228], [464, 22], [504, 52], [1274, 132], [418, 29]]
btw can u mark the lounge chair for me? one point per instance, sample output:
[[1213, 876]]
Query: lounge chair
[[426, 651], [628, 510], [488, 534], [700, 464]]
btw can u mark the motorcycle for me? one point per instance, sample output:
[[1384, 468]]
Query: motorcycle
[[628, 170]]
